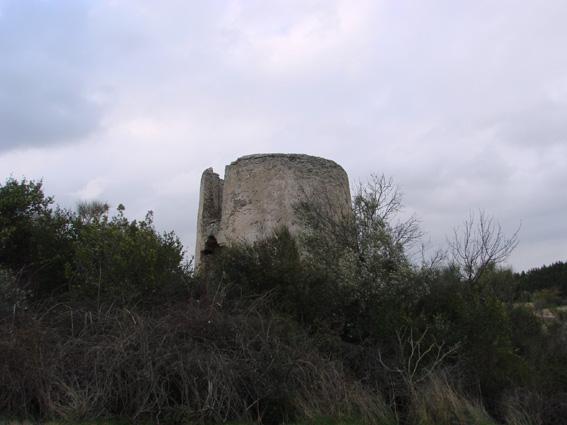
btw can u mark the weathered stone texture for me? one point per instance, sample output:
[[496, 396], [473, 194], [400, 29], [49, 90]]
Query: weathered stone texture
[[210, 210], [259, 194]]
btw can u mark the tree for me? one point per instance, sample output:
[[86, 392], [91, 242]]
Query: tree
[[364, 255], [49, 250], [370, 245], [480, 244], [376, 205], [34, 239], [90, 211], [383, 241], [125, 260], [418, 356], [22, 206]]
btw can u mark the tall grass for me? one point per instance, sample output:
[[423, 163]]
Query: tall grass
[[188, 362], [438, 402], [197, 362]]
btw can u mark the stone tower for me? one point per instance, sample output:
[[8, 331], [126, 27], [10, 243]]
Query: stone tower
[[259, 193]]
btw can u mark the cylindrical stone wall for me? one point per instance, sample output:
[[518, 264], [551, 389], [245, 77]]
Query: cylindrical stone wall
[[261, 191]]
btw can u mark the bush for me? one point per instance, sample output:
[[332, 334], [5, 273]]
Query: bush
[[545, 298], [85, 254], [190, 362], [275, 266], [100, 317], [480, 323], [12, 298], [126, 261], [34, 242]]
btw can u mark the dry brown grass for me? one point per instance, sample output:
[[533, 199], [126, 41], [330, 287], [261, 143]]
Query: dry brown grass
[[190, 362], [438, 402]]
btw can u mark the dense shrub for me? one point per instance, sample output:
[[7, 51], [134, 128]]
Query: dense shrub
[[479, 322], [128, 261], [12, 297], [101, 316], [274, 266], [86, 254], [34, 242], [193, 361]]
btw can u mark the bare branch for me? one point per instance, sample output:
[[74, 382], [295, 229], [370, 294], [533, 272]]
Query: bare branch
[[479, 244], [417, 358]]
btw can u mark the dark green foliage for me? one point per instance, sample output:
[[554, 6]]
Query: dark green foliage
[[274, 266], [85, 254], [34, 242], [188, 362], [363, 259], [121, 259], [480, 323], [12, 297], [553, 276], [392, 299], [543, 349], [100, 316]]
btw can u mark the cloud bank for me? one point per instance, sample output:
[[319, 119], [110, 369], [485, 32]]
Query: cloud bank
[[464, 105]]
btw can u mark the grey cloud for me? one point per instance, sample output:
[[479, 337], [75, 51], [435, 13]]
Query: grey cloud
[[451, 100], [44, 98], [540, 124]]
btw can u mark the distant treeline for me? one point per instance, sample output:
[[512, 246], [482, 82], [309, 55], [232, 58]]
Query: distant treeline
[[553, 276]]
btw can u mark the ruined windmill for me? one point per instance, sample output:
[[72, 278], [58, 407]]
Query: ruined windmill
[[259, 193]]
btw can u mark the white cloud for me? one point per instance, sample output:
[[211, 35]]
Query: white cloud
[[296, 37], [462, 104], [92, 190]]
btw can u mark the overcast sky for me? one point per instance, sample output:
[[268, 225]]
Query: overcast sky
[[463, 104]]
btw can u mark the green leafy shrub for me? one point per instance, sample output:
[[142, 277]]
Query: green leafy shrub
[[274, 266], [85, 254], [100, 316], [123, 260], [34, 242], [480, 323], [546, 298]]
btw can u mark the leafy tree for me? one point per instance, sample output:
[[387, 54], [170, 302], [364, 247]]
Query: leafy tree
[[380, 233], [366, 255], [545, 277], [34, 240], [88, 212], [474, 318], [122, 259], [273, 267], [368, 248], [51, 251], [22, 206]]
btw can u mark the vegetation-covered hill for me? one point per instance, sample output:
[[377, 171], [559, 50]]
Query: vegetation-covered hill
[[552, 277], [101, 317]]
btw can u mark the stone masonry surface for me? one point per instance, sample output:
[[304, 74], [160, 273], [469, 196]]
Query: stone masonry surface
[[259, 193]]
